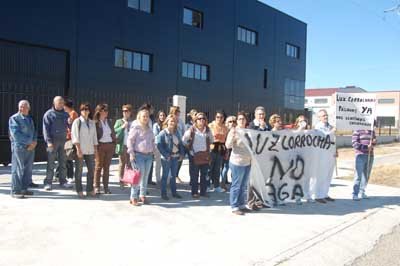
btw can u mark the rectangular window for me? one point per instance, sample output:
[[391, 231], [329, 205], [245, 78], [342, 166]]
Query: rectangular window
[[292, 51], [185, 69], [294, 94], [142, 5], [265, 78], [119, 58], [127, 59], [386, 101], [195, 71], [385, 121], [247, 36], [320, 101], [146, 62], [133, 60], [192, 18], [137, 61]]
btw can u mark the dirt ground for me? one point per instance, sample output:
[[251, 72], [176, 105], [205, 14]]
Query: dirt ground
[[388, 174], [348, 153]]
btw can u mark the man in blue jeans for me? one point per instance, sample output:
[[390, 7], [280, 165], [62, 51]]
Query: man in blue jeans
[[363, 144], [23, 136], [55, 125]]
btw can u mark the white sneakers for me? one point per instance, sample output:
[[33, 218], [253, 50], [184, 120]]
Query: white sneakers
[[363, 196], [356, 198]]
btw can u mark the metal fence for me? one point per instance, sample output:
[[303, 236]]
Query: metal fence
[[40, 103]]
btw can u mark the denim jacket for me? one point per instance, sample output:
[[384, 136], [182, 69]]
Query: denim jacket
[[22, 130], [165, 144]]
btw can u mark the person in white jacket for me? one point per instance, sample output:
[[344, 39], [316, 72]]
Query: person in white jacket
[[84, 137]]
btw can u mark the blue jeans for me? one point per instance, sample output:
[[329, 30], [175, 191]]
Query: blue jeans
[[215, 168], [240, 177], [21, 168], [89, 160], [362, 174], [57, 153], [167, 166], [224, 173], [143, 162]]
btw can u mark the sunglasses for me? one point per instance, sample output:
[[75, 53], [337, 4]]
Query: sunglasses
[[201, 118], [125, 111], [231, 121], [85, 109], [218, 116]]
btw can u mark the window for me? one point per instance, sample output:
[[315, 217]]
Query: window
[[119, 58], [385, 101], [294, 94], [320, 101], [265, 78], [142, 5], [247, 36], [385, 121], [292, 51], [192, 17], [133, 60], [195, 71]]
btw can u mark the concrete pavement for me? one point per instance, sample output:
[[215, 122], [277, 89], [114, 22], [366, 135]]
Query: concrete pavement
[[55, 228]]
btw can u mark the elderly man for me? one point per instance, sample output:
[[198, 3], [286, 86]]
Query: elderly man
[[23, 136], [259, 123], [320, 185], [55, 126]]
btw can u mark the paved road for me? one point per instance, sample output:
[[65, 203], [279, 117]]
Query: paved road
[[385, 253]]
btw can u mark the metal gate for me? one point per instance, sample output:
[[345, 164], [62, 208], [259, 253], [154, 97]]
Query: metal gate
[[30, 72]]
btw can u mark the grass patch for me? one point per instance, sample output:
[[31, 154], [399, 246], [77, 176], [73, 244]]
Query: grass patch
[[382, 149], [387, 175]]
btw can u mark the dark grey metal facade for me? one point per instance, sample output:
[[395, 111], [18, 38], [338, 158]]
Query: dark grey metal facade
[[73, 42]]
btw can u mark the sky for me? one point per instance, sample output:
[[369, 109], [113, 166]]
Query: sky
[[349, 42]]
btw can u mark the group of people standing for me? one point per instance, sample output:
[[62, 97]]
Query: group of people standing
[[212, 149]]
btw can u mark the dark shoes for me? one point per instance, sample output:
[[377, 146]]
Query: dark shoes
[[329, 199], [164, 197], [238, 212], [195, 196], [33, 185], [152, 183], [320, 201], [27, 193], [177, 196], [17, 195], [246, 210]]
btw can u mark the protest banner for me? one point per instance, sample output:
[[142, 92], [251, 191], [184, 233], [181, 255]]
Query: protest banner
[[355, 111], [284, 162]]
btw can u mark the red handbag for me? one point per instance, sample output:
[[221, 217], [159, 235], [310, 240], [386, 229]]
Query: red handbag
[[131, 175]]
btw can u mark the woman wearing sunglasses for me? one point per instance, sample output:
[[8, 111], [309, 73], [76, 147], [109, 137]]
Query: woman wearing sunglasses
[[121, 128], [197, 140], [230, 123], [106, 138], [84, 137], [239, 163]]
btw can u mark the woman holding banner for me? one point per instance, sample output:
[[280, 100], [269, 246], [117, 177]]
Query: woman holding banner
[[299, 125], [276, 122], [239, 163]]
